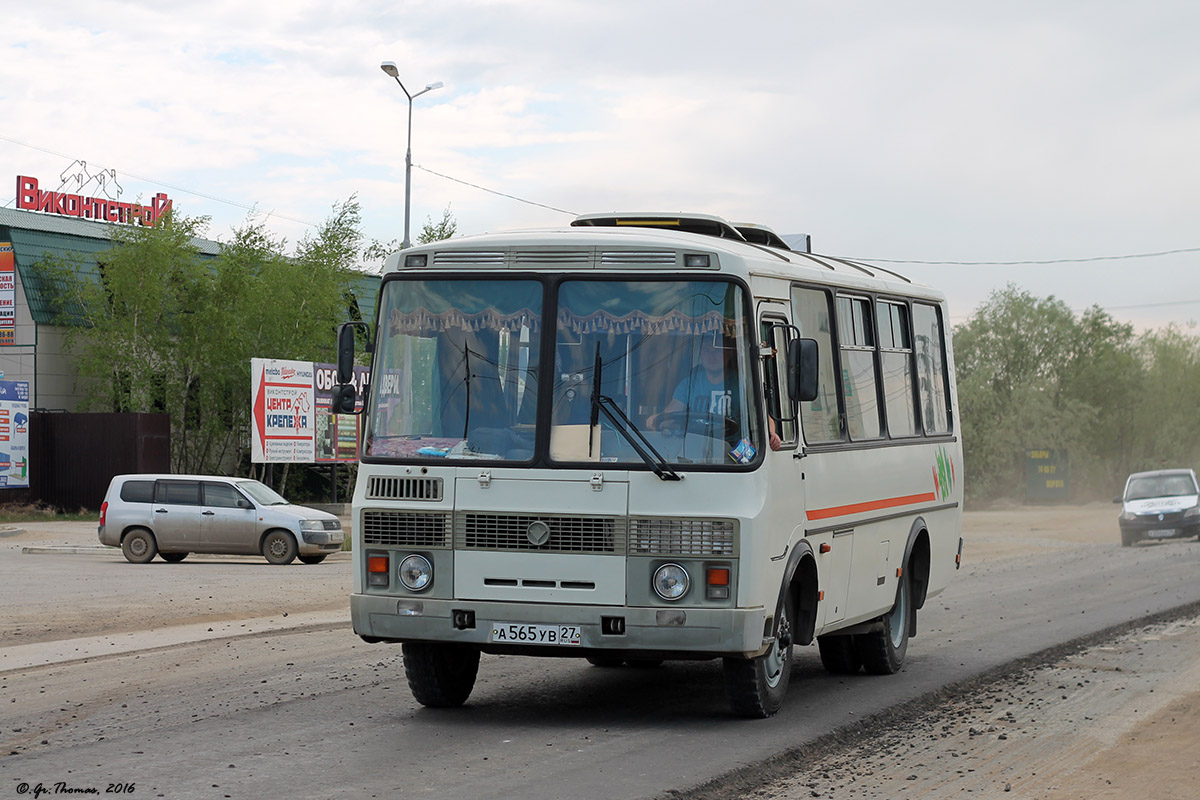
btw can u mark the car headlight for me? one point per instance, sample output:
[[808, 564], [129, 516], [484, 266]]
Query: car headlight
[[312, 524], [671, 581], [415, 572], [1128, 516], [1194, 511]]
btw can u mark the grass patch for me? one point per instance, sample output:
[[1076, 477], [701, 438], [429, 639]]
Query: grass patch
[[20, 512]]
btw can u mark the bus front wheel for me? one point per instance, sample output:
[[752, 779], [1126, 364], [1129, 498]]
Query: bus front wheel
[[882, 651], [440, 675], [757, 686]]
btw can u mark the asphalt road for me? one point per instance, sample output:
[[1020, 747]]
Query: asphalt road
[[311, 711]]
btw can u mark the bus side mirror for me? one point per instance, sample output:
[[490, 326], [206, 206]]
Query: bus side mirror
[[344, 396], [803, 370], [345, 352]]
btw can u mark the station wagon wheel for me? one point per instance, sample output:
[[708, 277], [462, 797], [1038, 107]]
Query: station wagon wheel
[[279, 547], [757, 686], [173, 558], [311, 559], [440, 675], [882, 651], [139, 546]]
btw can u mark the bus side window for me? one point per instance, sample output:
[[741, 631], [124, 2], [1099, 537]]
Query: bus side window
[[820, 419], [896, 363], [930, 351], [857, 341]]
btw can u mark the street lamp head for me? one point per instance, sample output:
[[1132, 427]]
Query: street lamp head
[[390, 68], [432, 86]]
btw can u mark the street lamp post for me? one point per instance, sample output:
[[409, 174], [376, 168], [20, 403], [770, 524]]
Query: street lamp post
[[390, 68]]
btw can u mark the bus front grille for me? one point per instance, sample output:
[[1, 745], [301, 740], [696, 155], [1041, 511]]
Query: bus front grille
[[382, 487], [541, 533], [670, 536], [406, 529]]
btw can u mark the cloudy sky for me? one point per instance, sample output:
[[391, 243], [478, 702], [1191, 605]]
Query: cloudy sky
[[1023, 131]]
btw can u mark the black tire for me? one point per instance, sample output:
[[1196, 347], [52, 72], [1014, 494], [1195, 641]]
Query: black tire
[[279, 547], [172, 558], [440, 675], [139, 546], [882, 651], [311, 559], [1126, 539], [605, 662], [756, 687], [839, 655]]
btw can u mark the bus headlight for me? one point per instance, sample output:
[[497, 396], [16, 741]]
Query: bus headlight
[[671, 581], [415, 572]]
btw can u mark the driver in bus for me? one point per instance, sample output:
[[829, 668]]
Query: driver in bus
[[705, 390]]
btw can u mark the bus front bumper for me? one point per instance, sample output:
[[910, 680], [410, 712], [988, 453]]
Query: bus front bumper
[[680, 632]]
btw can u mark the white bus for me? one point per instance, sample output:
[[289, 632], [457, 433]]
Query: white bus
[[644, 438]]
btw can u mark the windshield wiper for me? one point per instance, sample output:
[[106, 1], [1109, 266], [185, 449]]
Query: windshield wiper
[[624, 426]]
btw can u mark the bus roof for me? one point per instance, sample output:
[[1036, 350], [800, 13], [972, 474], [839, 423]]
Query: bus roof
[[631, 246]]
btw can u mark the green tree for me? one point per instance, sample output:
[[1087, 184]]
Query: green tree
[[1012, 357], [445, 228], [377, 252], [1031, 374], [165, 328]]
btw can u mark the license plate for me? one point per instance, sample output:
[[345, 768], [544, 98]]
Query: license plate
[[516, 633], [1162, 533]]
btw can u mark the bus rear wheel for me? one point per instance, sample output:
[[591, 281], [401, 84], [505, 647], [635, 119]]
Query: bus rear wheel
[[440, 675], [882, 651], [757, 686]]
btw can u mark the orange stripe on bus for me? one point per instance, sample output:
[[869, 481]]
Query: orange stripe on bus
[[870, 505]]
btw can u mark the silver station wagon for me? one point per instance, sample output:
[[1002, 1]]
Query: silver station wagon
[[173, 515]]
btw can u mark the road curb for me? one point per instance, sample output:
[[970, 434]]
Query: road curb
[[44, 549], [64, 651], [52, 549], [6, 532]]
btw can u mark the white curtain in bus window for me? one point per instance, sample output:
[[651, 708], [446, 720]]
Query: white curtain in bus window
[[649, 340], [895, 349], [456, 370], [820, 418], [930, 354], [858, 367]]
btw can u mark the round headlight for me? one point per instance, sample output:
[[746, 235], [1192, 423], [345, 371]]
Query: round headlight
[[416, 573], [671, 582]]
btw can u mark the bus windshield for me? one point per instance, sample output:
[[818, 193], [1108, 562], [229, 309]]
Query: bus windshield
[[458, 363]]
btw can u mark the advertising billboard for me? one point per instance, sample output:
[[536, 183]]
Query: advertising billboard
[[291, 420], [8, 294], [14, 434]]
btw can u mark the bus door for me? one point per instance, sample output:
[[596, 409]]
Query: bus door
[[820, 422], [785, 472]]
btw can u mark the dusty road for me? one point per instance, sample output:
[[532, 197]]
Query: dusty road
[[229, 697]]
